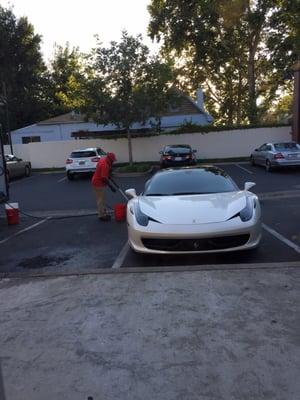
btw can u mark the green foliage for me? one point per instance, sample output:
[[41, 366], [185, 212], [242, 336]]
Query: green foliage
[[238, 50], [129, 85], [281, 110], [22, 70], [135, 167], [199, 129], [67, 79]]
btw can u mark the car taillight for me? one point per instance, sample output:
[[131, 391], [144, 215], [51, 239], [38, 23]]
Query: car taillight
[[69, 161], [95, 159], [278, 156], [167, 157]]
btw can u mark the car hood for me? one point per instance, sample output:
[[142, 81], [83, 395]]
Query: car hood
[[193, 209]]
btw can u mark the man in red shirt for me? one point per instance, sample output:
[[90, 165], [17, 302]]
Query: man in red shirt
[[100, 181]]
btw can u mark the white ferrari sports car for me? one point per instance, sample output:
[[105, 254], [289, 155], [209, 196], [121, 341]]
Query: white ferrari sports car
[[193, 210]]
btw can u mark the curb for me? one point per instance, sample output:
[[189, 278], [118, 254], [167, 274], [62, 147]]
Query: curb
[[271, 266]]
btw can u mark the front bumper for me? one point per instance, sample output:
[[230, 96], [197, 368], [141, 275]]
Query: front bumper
[[195, 236]]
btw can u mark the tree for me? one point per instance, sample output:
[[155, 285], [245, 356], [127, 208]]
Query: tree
[[67, 77], [22, 70], [228, 39], [129, 86], [282, 109]]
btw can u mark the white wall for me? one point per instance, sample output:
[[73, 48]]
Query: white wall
[[224, 144]]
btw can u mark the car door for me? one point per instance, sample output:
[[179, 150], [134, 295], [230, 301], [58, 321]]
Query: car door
[[19, 166], [267, 153], [260, 154], [12, 165]]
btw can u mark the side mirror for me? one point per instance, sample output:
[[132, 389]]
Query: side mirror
[[194, 151], [131, 193], [249, 185], [255, 149]]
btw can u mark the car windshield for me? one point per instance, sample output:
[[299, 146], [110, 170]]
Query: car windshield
[[83, 154], [177, 149], [190, 181], [286, 146]]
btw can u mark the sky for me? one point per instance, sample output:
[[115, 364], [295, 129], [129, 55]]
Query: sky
[[76, 22]]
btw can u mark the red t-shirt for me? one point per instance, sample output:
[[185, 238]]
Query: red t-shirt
[[102, 171]]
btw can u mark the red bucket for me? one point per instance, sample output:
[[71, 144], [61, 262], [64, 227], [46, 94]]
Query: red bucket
[[120, 212], [12, 213]]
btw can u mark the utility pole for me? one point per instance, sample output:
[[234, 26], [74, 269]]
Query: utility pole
[[5, 103], [296, 104]]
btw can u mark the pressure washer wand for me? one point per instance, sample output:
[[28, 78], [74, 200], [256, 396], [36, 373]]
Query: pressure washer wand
[[118, 188]]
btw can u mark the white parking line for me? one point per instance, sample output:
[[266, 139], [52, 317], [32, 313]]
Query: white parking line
[[244, 169], [119, 260], [282, 238], [62, 179], [24, 230]]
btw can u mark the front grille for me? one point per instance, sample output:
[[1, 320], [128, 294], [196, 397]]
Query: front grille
[[196, 244]]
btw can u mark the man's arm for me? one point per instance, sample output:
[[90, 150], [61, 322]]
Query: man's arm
[[105, 178]]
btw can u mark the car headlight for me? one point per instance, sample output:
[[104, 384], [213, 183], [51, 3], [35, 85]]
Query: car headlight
[[141, 218], [247, 212]]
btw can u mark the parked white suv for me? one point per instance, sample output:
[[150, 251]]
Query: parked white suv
[[83, 161]]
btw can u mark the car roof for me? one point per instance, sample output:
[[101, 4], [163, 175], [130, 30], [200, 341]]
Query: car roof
[[208, 167], [87, 149], [177, 145]]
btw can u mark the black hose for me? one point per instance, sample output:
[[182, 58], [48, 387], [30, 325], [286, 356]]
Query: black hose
[[65, 216], [57, 217]]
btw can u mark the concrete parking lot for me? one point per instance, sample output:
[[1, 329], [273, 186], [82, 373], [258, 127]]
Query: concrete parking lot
[[79, 243], [217, 327]]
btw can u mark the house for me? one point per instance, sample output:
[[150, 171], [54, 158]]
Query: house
[[73, 126]]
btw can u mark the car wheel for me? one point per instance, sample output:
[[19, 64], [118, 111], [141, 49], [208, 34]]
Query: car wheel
[[70, 176], [252, 161], [27, 171], [268, 166]]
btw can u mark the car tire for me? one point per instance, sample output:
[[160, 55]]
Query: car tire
[[268, 166], [70, 176], [252, 161], [27, 171]]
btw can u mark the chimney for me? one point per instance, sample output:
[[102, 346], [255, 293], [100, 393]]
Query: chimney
[[200, 99]]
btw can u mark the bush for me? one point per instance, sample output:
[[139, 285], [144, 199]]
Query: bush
[[136, 167]]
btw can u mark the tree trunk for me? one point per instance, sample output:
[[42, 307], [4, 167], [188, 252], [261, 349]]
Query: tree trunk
[[129, 146], [239, 98], [252, 108]]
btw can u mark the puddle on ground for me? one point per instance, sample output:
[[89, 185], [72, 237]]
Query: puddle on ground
[[42, 262]]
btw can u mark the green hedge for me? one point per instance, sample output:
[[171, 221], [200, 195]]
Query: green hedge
[[191, 128], [136, 167]]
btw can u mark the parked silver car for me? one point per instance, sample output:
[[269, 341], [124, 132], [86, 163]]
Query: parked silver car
[[272, 155], [16, 166]]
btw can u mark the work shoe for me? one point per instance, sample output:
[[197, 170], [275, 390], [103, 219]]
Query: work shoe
[[105, 218]]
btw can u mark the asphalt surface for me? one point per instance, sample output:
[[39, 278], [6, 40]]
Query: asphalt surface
[[82, 243]]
